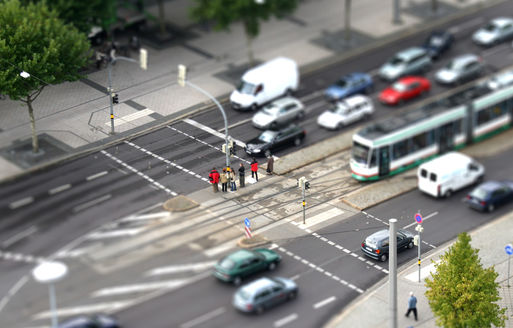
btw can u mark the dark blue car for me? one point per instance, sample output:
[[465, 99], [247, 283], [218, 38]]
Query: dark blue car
[[437, 43], [488, 195], [349, 85], [93, 321]]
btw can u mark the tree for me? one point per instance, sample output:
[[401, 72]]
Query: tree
[[461, 292], [249, 12], [33, 39]]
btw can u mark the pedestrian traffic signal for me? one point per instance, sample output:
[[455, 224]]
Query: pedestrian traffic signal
[[115, 98], [143, 58], [223, 148], [307, 184], [182, 75]]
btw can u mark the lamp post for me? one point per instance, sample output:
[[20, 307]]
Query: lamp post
[[49, 273], [182, 81]]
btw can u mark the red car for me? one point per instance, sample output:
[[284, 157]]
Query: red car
[[406, 88]]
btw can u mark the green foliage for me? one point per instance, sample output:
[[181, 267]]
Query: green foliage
[[35, 40], [250, 13], [461, 293]]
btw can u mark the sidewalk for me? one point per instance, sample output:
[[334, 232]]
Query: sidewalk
[[73, 118], [371, 309]]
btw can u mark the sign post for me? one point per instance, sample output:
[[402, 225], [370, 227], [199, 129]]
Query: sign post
[[509, 251], [419, 229], [247, 228]]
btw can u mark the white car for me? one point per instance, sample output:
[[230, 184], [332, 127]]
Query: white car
[[278, 113], [497, 30], [345, 112], [460, 69]]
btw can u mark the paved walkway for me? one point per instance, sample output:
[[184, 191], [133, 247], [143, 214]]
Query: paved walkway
[[73, 117], [371, 309]]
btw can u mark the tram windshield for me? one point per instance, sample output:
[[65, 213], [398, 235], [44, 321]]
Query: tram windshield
[[360, 153]]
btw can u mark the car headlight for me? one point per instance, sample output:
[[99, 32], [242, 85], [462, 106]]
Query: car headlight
[[257, 150]]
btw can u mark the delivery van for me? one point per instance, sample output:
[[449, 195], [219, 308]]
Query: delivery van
[[444, 175], [264, 83]]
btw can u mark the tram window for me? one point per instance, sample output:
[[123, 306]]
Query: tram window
[[420, 141], [373, 158], [400, 149], [488, 114], [360, 152], [432, 177], [458, 126]]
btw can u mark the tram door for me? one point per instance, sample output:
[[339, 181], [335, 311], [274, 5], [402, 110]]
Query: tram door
[[446, 138], [384, 161]]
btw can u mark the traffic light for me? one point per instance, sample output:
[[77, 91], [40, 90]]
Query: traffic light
[[143, 58], [223, 148], [307, 184], [416, 240], [115, 98]]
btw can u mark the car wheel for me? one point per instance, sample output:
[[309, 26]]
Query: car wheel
[[410, 245], [479, 179], [289, 92], [297, 142], [448, 193], [292, 295], [267, 153], [383, 257], [340, 126], [369, 89], [400, 102], [237, 280], [272, 266], [259, 309], [273, 125], [490, 208], [254, 107], [300, 115]]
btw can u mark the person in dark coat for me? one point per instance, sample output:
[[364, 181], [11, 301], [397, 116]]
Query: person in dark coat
[[254, 169], [412, 306], [242, 172], [214, 179], [270, 164]]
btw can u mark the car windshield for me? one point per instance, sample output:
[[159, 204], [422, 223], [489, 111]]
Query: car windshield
[[479, 193], [360, 153], [435, 41], [267, 136], [342, 83], [227, 264], [398, 86], [271, 110], [339, 108], [244, 294], [396, 61], [246, 88], [454, 65], [490, 27]]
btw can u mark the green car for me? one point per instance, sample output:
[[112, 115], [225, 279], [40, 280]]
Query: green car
[[245, 262]]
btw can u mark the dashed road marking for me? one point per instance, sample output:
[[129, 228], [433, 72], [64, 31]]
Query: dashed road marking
[[21, 202], [115, 233], [58, 189], [85, 309], [129, 289], [285, 320], [181, 268], [19, 236], [324, 302], [203, 318], [91, 203], [96, 176]]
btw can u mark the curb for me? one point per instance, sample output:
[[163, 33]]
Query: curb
[[255, 241]]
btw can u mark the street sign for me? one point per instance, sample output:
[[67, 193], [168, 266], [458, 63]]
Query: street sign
[[247, 231], [509, 249], [247, 223], [418, 218]]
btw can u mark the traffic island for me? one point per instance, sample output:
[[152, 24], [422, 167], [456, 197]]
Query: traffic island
[[254, 241], [179, 203]]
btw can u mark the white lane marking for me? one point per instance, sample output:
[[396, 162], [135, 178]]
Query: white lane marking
[[219, 249], [423, 219], [21, 202], [20, 235], [212, 131], [495, 50], [150, 216], [115, 233], [85, 309], [97, 175], [324, 302], [317, 105], [59, 189], [128, 289], [14, 289], [91, 203], [203, 318], [180, 268], [468, 24], [237, 124], [75, 253], [166, 161], [147, 178], [285, 320], [324, 216], [131, 117]]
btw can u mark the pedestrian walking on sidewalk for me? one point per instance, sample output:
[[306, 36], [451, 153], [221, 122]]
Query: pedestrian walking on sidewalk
[[224, 180], [232, 180], [270, 164], [242, 172], [412, 306], [214, 179], [254, 169]]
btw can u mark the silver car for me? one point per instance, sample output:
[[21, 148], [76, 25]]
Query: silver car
[[264, 293], [410, 61], [460, 69], [497, 30], [501, 80], [279, 112]]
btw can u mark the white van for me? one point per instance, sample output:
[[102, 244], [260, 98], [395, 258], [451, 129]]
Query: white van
[[442, 176], [265, 82]]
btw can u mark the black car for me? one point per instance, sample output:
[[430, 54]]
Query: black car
[[376, 245], [92, 321], [271, 140], [437, 43], [490, 194]]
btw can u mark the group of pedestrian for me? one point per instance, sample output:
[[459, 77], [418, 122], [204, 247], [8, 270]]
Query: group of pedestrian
[[227, 176]]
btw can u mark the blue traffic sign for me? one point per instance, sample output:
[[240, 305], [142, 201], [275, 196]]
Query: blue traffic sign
[[247, 222], [418, 218], [509, 249]]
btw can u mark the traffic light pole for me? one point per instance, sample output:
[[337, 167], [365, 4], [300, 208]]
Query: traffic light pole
[[304, 202]]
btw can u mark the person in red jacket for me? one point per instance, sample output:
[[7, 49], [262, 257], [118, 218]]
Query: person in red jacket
[[214, 179], [254, 169]]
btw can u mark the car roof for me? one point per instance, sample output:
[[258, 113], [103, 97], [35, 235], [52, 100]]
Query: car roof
[[240, 255], [257, 285], [354, 100], [410, 79], [284, 101], [354, 75], [446, 162], [73, 322], [490, 185], [501, 21], [410, 52], [464, 59]]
